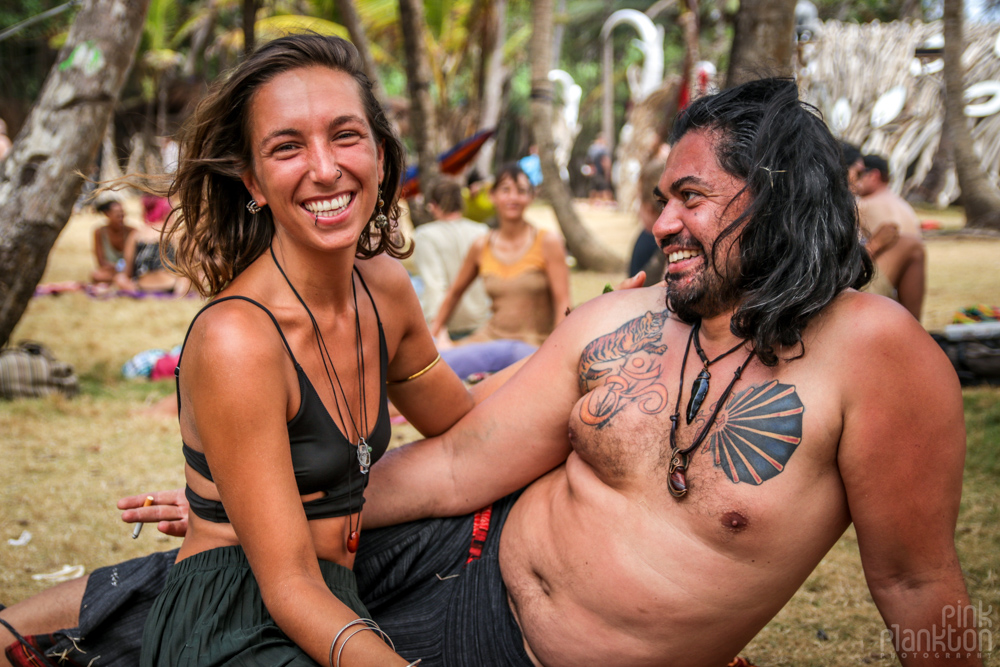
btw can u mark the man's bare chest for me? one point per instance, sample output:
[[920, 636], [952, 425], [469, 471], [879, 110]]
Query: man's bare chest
[[755, 424]]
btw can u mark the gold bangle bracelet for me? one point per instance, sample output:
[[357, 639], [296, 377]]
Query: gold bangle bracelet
[[418, 373]]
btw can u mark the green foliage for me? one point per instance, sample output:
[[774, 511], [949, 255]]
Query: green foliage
[[26, 56], [14, 13]]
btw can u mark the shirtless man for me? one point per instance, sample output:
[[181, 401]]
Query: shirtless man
[[643, 543], [901, 265], [666, 530]]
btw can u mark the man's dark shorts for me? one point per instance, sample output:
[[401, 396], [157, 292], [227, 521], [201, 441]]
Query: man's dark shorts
[[434, 586], [114, 609]]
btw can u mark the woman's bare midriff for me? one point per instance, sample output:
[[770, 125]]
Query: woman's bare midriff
[[600, 576], [328, 535]]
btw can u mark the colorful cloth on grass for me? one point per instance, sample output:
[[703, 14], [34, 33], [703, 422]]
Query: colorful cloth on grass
[[978, 313], [150, 364], [101, 291]]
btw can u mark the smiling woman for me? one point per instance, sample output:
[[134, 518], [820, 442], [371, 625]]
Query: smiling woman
[[523, 269], [287, 192]]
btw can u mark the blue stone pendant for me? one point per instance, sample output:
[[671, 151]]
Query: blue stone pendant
[[699, 390]]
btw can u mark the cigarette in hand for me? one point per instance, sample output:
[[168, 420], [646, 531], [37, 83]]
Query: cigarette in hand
[[138, 527]]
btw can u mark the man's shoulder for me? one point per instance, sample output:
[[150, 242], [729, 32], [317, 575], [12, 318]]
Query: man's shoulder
[[643, 307], [867, 327]]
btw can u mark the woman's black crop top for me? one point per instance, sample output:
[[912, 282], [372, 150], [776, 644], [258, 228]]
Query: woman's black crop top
[[323, 458]]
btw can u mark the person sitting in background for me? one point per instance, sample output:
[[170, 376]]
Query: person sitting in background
[[523, 268], [599, 171], [646, 254], [438, 250], [110, 240], [893, 230], [144, 254]]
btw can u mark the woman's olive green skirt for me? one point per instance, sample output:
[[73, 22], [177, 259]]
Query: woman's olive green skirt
[[211, 613]]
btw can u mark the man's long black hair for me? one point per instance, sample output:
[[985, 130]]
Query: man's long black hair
[[799, 240]]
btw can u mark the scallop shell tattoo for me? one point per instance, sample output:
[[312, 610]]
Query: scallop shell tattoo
[[757, 433]]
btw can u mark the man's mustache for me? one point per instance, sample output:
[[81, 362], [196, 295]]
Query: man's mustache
[[681, 240]]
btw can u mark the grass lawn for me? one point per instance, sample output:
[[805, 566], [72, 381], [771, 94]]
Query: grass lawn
[[67, 461]]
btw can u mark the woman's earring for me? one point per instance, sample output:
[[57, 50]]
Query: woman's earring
[[253, 207], [381, 222]]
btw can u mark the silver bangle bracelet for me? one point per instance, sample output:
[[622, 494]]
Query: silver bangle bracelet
[[369, 625], [356, 621], [349, 639]]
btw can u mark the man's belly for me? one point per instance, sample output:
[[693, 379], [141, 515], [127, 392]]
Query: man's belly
[[597, 577]]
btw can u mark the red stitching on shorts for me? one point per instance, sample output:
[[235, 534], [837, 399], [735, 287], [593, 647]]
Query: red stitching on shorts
[[480, 528]]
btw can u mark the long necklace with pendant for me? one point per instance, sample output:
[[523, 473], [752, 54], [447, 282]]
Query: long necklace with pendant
[[699, 388], [679, 458], [363, 450]]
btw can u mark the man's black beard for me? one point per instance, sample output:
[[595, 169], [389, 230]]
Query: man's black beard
[[712, 295]]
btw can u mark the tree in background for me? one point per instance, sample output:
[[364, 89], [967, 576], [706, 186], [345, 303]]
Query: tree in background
[[980, 197], [249, 21], [418, 78], [39, 179], [763, 40], [349, 18], [588, 252]]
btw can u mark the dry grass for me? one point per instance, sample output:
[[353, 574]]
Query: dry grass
[[66, 462]]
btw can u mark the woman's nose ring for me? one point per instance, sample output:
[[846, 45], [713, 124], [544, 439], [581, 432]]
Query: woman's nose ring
[[339, 174]]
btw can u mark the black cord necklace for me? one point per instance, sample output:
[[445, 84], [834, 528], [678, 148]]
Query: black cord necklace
[[363, 449], [679, 458], [699, 388]]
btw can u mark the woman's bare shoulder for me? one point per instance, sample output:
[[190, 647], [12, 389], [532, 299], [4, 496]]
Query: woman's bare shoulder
[[234, 332]]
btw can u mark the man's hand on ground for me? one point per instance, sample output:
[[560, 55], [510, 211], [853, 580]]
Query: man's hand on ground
[[169, 511]]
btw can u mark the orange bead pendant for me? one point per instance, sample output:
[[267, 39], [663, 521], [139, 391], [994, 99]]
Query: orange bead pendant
[[352, 542]]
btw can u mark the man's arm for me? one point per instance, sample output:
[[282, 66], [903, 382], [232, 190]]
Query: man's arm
[[515, 436], [901, 457]]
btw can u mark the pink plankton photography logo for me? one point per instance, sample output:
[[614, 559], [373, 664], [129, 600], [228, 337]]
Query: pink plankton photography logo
[[965, 631]]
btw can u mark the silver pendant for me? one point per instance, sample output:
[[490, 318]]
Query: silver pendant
[[364, 456]]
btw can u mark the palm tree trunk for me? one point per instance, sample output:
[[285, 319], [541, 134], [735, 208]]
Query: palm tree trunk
[[39, 179], [249, 19], [763, 40], [588, 252], [980, 197], [418, 78], [688, 20], [350, 19], [493, 88], [199, 42], [558, 32]]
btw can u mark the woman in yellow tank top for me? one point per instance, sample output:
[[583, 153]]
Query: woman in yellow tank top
[[523, 268]]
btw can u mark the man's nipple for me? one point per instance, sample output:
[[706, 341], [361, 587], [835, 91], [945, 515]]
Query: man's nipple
[[735, 521]]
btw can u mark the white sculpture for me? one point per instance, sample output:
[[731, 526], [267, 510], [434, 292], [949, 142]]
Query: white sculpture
[[567, 125]]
